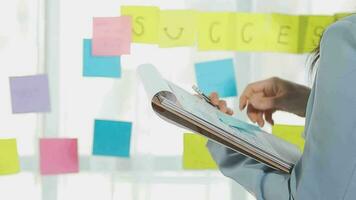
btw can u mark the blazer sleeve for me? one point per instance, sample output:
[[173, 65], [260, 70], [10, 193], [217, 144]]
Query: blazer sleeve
[[260, 180], [326, 168], [329, 157]]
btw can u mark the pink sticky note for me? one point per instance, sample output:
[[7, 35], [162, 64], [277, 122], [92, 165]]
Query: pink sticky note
[[111, 36], [58, 156]]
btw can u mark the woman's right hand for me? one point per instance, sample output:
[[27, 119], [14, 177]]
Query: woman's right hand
[[264, 97]]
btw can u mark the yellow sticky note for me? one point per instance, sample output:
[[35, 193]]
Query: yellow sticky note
[[195, 154], [312, 28], [9, 159], [145, 20], [251, 31], [216, 31], [292, 134], [342, 15], [177, 28], [283, 33]]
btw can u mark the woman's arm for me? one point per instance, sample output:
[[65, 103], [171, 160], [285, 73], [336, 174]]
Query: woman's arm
[[261, 181], [327, 167]]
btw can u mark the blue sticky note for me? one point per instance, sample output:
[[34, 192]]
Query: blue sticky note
[[99, 66], [217, 76], [112, 138], [235, 123]]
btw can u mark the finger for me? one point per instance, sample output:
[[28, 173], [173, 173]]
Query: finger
[[252, 113], [261, 102], [229, 111], [222, 106], [250, 90], [242, 102], [268, 117], [214, 98], [260, 120]]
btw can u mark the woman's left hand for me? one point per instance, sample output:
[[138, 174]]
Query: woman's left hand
[[221, 104]]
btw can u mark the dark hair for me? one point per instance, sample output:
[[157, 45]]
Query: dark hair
[[313, 61], [315, 57]]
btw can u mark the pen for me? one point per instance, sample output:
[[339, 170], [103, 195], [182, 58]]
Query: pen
[[202, 95]]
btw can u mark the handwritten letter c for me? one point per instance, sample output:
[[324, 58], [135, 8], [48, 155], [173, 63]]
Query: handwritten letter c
[[211, 30]]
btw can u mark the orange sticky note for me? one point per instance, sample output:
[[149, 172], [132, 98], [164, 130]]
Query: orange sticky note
[[111, 36]]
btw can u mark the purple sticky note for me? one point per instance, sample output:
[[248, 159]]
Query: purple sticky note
[[58, 156], [30, 94], [111, 36]]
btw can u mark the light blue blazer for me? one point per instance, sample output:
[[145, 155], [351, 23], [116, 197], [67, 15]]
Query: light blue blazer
[[327, 169]]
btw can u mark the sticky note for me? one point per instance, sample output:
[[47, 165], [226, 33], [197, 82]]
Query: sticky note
[[112, 138], [111, 36], [339, 16], [292, 134], [145, 20], [177, 28], [58, 156], [30, 94], [238, 124], [251, 30], [216, 76], [283, 34], [99, 66], [9, 158], [312, 28], [216, 31], [195, 154]]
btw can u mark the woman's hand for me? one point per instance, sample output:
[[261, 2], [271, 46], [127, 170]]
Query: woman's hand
[[221, 104], [264, 97]]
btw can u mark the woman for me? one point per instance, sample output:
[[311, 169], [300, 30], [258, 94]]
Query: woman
[[327, 168]]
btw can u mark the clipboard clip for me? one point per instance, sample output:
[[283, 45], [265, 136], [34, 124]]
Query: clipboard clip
[[202, 95]]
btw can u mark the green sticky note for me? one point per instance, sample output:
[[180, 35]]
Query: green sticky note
[[251, 31], [312, 28], [9, 159], [145, 21], [283, 34], [292, 134], [216, 31], [342, 15], [195, 154], [177, 28]]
